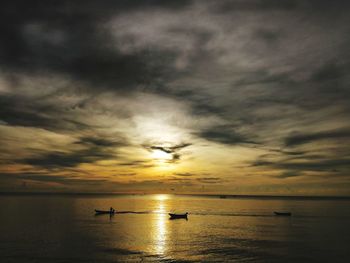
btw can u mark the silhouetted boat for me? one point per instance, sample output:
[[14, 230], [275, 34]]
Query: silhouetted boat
[[178, 216], [103, 212], [282, 213]]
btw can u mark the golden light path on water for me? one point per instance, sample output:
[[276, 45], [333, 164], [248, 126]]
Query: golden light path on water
[[160, 227]]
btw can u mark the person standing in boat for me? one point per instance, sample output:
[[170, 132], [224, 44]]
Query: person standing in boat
[[111, 210]]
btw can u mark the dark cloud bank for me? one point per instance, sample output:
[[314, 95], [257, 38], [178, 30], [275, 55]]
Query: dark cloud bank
[[95, 149]]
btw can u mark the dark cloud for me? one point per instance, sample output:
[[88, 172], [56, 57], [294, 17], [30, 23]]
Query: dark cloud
[[256, 5], [179, 146], [17, 110], [205, 108], [293, 153], [210, 180], [286, 152], [175, 157], [184, 174], [137, 164], [181, 181], [169, 149], [44, 177], [331, 81], [102, 142], [53, 160], [320, 165], [224, 135], [172, 150], [276, 5], [296, 168], [95, 149], [298, 139], [132, 163], [291, 173], [125, 174], [329, 71], [269, 35], [69, 38], [261, 163]]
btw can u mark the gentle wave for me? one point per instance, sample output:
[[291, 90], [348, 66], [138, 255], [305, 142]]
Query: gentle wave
[[195, 213]]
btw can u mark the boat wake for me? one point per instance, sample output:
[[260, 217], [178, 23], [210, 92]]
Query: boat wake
[[134, 212]]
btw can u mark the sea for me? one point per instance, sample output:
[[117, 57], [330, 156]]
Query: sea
[[64, 228]]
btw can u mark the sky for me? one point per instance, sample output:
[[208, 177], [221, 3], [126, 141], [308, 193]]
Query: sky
[[221, 97]]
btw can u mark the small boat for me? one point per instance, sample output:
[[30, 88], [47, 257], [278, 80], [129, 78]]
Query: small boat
[[178, 216], [282, 213], [103, 212]]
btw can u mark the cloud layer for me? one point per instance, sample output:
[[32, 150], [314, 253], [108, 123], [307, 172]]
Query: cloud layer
[[251, 92]]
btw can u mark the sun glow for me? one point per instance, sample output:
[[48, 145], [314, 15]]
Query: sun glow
[[162, 160], [161, 197], [161, 155]]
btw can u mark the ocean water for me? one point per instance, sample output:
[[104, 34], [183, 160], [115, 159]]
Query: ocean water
[[64, 228]]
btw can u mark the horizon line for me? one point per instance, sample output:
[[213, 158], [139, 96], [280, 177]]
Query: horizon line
[[179, 194]]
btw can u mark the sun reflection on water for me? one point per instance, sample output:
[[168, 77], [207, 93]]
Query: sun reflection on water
[[160, 227]]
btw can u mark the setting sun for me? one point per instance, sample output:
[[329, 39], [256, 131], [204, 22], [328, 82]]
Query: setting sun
[[161, 155]]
